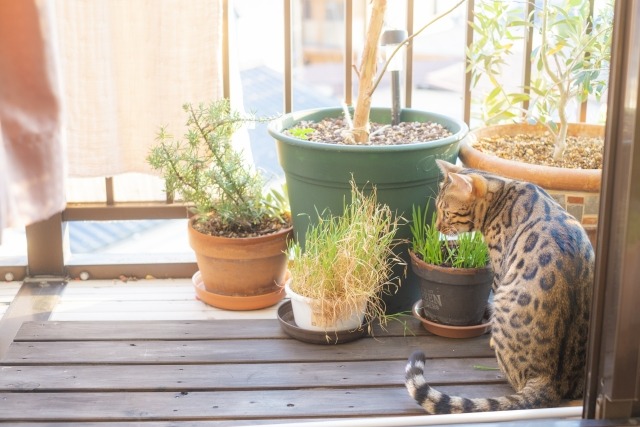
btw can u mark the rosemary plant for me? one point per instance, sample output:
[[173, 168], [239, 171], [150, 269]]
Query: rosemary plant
[[206, 171]]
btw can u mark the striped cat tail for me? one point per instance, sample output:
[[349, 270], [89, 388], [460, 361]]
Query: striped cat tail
[[435, 402]]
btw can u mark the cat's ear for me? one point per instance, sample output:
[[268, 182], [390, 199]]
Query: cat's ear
[[467, 186], [447, 167], [479, 184], [461, 185]]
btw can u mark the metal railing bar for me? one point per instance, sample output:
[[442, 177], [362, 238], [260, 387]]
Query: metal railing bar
[[288, 57], [466, 105], [348, 52], [408, 81], [582, 112], [108, 188], [226, 67], [528, 48]]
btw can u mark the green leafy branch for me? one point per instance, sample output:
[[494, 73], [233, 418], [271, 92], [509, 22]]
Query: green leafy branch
[[205, 170]]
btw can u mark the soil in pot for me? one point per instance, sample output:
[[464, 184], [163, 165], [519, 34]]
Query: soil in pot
[[332, 130], [582, 152]]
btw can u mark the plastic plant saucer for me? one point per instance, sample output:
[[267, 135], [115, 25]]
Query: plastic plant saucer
[[288, 325], [449, 331], [238, 303]]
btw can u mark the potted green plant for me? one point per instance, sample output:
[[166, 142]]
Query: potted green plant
[[239, 232], [455, 275], [338, 279], [571, 48], [318, 173]]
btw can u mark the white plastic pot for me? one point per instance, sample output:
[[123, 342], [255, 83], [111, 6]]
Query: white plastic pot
[[306, 318]]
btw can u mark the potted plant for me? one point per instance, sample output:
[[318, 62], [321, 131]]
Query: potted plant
[[570, 60], [455, 276], [239, 233], [318, 171], [338, 279]]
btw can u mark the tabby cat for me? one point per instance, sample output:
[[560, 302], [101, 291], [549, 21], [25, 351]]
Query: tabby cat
[[543, 264]]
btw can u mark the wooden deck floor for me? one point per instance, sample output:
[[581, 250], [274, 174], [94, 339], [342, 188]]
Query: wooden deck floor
[[222, 372]]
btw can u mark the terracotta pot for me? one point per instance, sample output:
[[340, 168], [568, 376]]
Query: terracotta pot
[[548, 177], [451, 331], [577, 190], [242, 267], [453, 296]]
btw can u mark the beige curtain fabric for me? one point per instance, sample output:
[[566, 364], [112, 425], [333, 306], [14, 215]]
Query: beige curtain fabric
[[31, 156], [87, 84], [127, 68]]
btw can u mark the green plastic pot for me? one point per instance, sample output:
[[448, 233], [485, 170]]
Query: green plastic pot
[[318, 175]]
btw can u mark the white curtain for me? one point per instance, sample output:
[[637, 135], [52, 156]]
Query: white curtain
[[87, 84], [127, 68]]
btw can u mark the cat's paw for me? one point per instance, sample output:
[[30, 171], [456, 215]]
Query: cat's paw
[[492, 344]]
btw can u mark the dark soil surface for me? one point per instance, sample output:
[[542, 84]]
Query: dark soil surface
[[214, 227]]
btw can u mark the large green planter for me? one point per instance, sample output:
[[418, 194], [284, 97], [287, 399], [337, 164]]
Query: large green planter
[[318, 175]]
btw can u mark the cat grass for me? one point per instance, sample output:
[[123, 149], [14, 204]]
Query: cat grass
[[468, 251], [348, 259]]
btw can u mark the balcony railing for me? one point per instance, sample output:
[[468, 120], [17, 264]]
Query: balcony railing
[[46, 241]]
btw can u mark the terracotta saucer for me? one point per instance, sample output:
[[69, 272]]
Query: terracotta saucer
[[288, 325], [237, 303], [448, 330]]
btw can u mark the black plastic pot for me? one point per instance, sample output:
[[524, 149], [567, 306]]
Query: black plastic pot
[[453, 296]]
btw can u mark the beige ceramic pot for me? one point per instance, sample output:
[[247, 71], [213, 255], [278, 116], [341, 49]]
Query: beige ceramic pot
[[241, 267], [577, 190]]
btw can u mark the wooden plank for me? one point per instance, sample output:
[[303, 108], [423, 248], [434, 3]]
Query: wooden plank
[[138, 310], [205, 313], [89, 287], [143, 307], [232, 423], [181, 330], [148, 330], [33, 302], [238, 377], [126, 292], [235, 405], [238, 351]]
